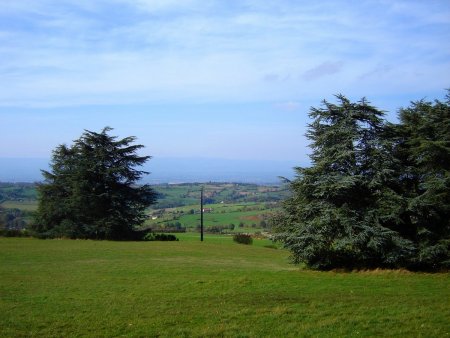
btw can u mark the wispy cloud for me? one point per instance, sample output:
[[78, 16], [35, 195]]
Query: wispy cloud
[[324, 69], [239, 74], [123, 51], [289, 105]]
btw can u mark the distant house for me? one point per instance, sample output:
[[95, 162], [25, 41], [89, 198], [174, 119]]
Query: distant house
[[205, 210]]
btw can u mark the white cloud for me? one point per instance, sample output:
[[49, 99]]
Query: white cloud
[[80, 52]]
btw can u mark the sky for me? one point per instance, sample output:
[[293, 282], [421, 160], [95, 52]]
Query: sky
[[209, 79]]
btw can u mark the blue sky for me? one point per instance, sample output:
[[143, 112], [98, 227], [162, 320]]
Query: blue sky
[[213, 79]]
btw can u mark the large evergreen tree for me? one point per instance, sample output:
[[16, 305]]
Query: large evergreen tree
[[423, 152], [91, 190], [345, 209]]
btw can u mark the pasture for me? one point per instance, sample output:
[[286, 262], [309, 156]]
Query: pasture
[[79, 288], [230, 203], [249, 215]]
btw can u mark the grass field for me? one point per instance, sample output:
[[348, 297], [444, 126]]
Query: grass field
[[76, 288], [232, 203], [248, 214], [21, 205], [176, 195]]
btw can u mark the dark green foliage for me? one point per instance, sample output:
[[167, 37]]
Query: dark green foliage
[[423, 150], [17, 191], [377, 195], [2, 218], [243, 238], [13, 233], [271, 246], [160, 237], [91, 191], [13, 219], [218, 229]]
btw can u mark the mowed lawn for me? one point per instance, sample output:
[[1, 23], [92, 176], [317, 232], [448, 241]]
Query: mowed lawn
[[77, 288]]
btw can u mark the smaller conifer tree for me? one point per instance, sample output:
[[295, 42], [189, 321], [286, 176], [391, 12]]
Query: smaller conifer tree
[[91, 190]]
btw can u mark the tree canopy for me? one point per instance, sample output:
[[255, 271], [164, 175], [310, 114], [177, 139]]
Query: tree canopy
[[377, 194], [91, 190], [423, 152]]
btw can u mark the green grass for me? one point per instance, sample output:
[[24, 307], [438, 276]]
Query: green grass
[[221, 239], [187, 194], [22, 205], [64, 288], [248, 204], [249, 214]]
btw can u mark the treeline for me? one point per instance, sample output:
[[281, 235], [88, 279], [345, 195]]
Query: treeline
[[377, 194], [17, 191], [178, 195], [14, 219]]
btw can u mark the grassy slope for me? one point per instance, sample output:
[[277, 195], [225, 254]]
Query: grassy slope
[[63, 288]]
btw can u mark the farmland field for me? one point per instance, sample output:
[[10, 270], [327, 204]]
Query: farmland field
[[229, 207], [21, 205], [79, 288], [243, 216]]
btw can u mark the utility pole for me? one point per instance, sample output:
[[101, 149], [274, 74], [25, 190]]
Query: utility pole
[[201, 215]]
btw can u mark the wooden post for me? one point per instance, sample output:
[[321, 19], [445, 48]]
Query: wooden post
[[201, 215]]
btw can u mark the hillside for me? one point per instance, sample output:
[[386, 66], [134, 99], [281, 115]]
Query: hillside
[[217, 288], [228, 206]]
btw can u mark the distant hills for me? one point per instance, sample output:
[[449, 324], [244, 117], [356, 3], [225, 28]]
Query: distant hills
[[170, 170]]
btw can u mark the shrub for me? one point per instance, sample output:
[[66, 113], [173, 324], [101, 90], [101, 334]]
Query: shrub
[[271, 246], [160, 237], [14, 233], [243, 238], [217, 229]]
